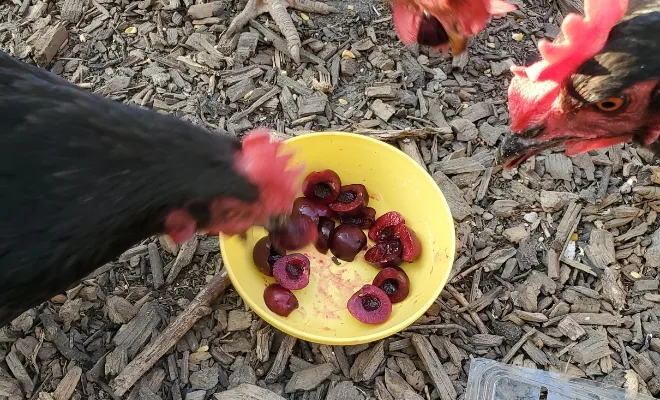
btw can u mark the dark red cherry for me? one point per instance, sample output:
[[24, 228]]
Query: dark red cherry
[[298, 233], [326, 226], [370, 305], [352, 199], [322, 186], [394, 282], [265, 255], [312, 209], [347, 241], [279, 300]]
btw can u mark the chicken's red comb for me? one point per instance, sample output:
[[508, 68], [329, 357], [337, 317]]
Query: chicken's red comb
[[583, 37], [260, 162]]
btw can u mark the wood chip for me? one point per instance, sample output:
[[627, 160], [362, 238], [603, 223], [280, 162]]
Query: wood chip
[[309, 378], [434, 367], [247, 392], [367, 363]]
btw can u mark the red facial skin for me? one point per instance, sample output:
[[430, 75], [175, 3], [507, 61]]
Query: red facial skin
[[352, 199], [261, 164], [347, 241], [394, 282], [280, 300], [542, 97], [299, 232], [370, 305], [322, 186], [312, 209], [292, 271], [385, 254], [264, 256]]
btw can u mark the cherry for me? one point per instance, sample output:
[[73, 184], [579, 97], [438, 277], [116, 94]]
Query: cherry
[[412, 246], [265, 255], [364, 219], [292, 271], [279, 300], [385, 254], [322, 186], [394, 282], [370, 305], [383, 228], [326, 226], [346, 242], [352, 199], [311, 209], [298, 233]]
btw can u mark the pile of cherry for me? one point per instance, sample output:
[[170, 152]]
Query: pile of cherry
[[313, 221]]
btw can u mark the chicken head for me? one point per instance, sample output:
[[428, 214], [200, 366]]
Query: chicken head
[[444, 24], [596, 85]]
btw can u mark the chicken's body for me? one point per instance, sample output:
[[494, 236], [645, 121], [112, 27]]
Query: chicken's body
[[610, 97], [83, 178]]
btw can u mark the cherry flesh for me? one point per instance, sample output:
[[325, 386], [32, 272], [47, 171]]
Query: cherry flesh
[[364, 218], [383, 228], [265, 255], [279, 300], [347, 241], [370, 305], [412, 246], [385, 254], [292, 271], [352, 199], [394, 282], [322, 186]]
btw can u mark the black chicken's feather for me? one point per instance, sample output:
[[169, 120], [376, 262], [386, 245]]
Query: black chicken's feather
[[83, 178]]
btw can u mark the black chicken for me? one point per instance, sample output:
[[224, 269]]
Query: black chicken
[[83, 178]]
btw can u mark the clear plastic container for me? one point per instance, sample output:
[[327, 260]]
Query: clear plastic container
[[491, 380]]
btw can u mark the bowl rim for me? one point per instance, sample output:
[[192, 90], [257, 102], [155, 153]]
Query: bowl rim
[[327, 340]]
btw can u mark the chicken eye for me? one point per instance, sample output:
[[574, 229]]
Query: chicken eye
[[611, 104]]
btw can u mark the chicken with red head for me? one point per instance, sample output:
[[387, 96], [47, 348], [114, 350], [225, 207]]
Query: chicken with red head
[[596, 85], [83, 178], [444, 24]]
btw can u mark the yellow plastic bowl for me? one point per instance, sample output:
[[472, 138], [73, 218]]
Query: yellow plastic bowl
[[394, 182]]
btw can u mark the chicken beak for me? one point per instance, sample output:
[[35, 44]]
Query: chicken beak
[[516, 149], [458, 42]]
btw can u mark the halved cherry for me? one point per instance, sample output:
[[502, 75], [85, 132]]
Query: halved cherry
[[385, 254], [298, 233], [370, 305], [394, 282], [292, 271], [364, 219], [322, 186], [412, 246], [352, 199], [265, 255], [383, 228], [325, 228], [312, 209]]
